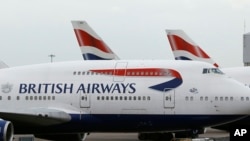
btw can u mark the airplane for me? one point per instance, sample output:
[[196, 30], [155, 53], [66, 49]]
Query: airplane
[[184, 47], [88, 33], [72, 98], [92, 46]]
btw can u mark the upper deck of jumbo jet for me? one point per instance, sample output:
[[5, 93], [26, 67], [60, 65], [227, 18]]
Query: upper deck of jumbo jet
[[70, 66]]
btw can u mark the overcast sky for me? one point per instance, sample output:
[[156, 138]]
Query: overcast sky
[[30, 30]]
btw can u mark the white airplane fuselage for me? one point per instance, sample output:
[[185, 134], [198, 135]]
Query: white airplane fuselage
[[119, 96]]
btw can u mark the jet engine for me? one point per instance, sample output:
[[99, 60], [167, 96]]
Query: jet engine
[[6, 130]]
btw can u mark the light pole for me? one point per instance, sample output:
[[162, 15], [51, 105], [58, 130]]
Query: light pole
[[51, 57]]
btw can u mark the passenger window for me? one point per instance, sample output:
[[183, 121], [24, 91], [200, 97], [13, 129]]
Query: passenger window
[[17, 97], [201, 98], [242, 98], [98, 97], [216, 98], [206, 98], [226, 98], [148, 97], [186, 98], [221, 98], [231, 98], [191, 98]]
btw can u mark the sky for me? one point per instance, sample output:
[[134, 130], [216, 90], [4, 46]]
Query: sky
[[30, 30]]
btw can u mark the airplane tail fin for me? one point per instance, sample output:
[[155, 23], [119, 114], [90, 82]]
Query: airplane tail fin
[[3, 65], [91, 45], [184, 48]]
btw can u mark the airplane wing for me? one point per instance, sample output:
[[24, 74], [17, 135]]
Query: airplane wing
[[37, 116]]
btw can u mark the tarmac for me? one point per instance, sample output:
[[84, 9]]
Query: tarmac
[[210, 135]]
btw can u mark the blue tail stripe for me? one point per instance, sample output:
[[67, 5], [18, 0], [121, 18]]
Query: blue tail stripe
[[182, 58], [89, 56]]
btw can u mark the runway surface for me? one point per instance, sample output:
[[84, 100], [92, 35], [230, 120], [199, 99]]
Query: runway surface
[[211, 133]]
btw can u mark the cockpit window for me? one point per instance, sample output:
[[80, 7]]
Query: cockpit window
[[212, 70]]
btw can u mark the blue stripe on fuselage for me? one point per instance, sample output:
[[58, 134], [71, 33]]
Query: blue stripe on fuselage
[[129, 123]]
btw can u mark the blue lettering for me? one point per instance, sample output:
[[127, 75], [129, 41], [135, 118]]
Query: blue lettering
[[31, 88], [132, 87], [23, 88], [58, 88], [95, 86], [70, 88], [107, 88], [81, 89], [116, 88]]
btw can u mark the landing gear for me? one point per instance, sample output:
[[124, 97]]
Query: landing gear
[[155, 136], [193, 133]]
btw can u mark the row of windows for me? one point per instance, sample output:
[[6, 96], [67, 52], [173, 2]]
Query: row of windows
[[212, 70], [32, 98], [139, 98], [128, 73], [191, 98]]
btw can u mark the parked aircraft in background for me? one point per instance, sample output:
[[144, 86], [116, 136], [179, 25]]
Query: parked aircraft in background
[[184, 48], [92, 46]]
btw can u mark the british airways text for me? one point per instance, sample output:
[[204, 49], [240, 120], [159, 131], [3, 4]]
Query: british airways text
[[70, 88]]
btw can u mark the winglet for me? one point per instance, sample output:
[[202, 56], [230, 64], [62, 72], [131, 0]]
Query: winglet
[[184, 48], [91, 45]]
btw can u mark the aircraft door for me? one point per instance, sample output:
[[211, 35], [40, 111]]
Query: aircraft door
[[84, 100], [169, 98], [120, 71]]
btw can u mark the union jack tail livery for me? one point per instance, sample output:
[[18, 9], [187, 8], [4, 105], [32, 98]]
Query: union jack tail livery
[[184, 48], [92, 46]]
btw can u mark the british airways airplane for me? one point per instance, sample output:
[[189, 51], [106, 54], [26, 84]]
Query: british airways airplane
[[85, 34], [71, 98], [184, 48]]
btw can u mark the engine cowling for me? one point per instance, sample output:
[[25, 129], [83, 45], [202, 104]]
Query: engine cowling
[[63, 137], [6, 130]]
